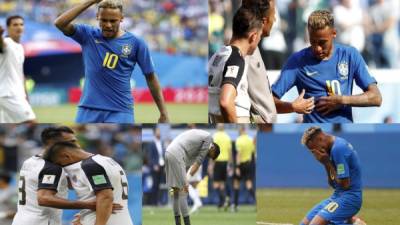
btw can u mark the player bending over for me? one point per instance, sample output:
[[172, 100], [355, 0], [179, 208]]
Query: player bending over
[[344, 175], [183, 158], [43, 184], [94, 177]]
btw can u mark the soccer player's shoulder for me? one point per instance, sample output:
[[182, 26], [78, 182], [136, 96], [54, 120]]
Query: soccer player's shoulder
[[346, 49], [135, 39]]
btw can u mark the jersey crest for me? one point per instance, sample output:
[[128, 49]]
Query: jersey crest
[[343, 67], [126, 50]]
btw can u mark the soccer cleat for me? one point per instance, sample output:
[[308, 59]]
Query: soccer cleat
[[358, 221]]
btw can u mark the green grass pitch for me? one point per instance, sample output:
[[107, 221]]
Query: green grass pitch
[[208, 215], [380, 206], [144, 113]]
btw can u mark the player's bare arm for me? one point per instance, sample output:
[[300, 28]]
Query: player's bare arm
[[227, 103], [156, 92], [103, 206], [371, 97], [299, 105], [2, 44], [193, 169], [49, 198], [64, 21]]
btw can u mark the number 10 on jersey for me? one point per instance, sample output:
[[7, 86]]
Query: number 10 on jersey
[[110, 61]]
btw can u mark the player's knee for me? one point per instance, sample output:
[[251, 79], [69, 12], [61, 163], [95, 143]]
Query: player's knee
[[305, 221]]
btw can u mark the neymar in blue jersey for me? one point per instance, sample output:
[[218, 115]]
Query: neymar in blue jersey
[[343, 168], [109, 55], [326, 71]]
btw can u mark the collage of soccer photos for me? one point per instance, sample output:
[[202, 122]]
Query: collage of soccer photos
[[200, 112]]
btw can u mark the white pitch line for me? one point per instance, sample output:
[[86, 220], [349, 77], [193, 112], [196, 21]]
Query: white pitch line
[[266, 223]]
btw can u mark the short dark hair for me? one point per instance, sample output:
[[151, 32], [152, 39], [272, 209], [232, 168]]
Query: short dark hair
[[55, 149], [263, 6], [245, 20], [217, 150], [50, 133], [11, 18]]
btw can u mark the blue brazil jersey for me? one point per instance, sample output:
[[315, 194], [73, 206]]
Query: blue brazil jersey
[[109, 64], [347, 164], [334, 76]]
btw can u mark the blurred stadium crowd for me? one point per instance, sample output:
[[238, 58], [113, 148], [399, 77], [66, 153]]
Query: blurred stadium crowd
[[19, 142], [173, 26], [157, 138], [371, 26]]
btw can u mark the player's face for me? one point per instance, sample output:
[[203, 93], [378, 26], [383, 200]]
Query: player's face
[[269, 21], [322, 42], [317, 144], [16, 28], [109, 21]]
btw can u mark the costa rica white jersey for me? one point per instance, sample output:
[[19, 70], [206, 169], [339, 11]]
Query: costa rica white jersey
[[11, 73], [227, 66], [37, 173], [97, 173]]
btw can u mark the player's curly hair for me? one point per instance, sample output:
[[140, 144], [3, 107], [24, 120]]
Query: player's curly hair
[[320, 19], [111, 4], [309, 134]]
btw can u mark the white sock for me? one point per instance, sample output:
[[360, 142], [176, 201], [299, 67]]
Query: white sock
[[194, 195]]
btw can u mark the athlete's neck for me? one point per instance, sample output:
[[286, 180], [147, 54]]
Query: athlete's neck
[[16, 39], [241, 45]]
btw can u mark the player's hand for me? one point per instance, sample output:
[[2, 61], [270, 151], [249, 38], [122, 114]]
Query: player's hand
[[116, 207], [321, 155], [163, 118], [186, 188], [328, 104], [302, 105]]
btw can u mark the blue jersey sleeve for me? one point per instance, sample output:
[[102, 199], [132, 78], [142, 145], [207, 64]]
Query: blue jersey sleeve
[[82, 33], [339, 160], [287, 79], [362, 76], [144, 58]]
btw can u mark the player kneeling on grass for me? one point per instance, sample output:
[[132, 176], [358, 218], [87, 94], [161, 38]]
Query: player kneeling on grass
[[344, 175], [94, 177], [183, 158], [227, 70]]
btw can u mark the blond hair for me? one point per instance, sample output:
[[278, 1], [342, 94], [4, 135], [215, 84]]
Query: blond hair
[[111, 4], [310, 134], [320, 19]]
